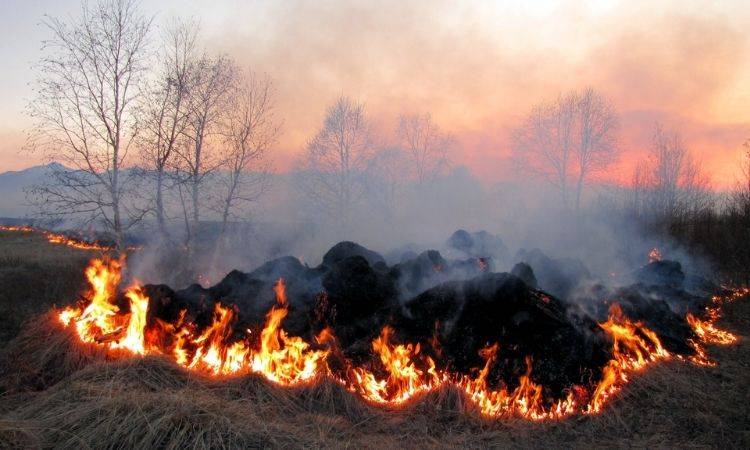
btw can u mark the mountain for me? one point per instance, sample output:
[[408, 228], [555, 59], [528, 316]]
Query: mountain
[[13, 202], [12, 184]]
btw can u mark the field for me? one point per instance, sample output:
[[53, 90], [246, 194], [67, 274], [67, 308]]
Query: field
[[57, 393]]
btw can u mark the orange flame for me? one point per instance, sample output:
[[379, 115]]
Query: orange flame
[[654, 255], [404, 379], [405, 370], [61, 239], [100, 321], [284, 359], [134, 333], [634, 347], [707, 332]]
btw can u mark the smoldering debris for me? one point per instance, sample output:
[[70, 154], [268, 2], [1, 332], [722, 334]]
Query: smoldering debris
[[544, 308]]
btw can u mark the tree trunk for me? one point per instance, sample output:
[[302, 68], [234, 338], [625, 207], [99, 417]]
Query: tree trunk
[[579, 189], [160, 202], [195, 185], [195, 200], [115, 193], [117, 222], [564, 188]]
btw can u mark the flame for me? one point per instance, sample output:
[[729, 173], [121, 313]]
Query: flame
[[213, 352], [24, 228], [634, 347], [101, 321], [399, 372], [525, 401], [100, 317], [654, 255], [61, 239], [404, 379], [281, 358], [284, 359], [707, 332], [134, 333]]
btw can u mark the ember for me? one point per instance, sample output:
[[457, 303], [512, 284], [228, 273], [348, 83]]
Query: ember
[[392, 371], [654, 255]]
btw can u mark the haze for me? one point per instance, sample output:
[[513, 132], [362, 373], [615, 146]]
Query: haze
[[478, 67]]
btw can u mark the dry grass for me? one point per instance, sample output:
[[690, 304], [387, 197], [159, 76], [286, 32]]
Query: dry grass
[[34, 275], [61, 395]]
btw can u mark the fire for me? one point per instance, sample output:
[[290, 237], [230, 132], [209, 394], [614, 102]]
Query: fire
[[101, 321], [399, 372], [634, 347], [404, 380], [24, 229], [280, 358], [654, 255], [526, 400], [61, 239], [213, 351], [707, 332], [134, 333], [284, 359], [409, 375], [100, 317]]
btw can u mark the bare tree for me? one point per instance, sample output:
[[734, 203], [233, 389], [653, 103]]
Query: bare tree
[[336, 160], [637, 198], [250, 129], [568, 140], [166, 109], [84, 112], [670, 183], [426, 145], [543, 144], [198, 159], [595, 127], [387, 176], [742, 193]]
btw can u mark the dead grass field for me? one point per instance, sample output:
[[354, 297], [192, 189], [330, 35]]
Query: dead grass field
[[58, 394]]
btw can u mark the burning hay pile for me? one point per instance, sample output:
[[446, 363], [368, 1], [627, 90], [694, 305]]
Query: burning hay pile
[[358, 335]]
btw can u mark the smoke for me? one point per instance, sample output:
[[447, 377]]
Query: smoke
[[478, 69], [683, 65], [524, 215]]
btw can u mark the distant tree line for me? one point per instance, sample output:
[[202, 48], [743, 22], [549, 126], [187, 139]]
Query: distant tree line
[[716, 226]]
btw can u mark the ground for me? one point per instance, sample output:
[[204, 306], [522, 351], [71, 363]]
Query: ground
[[55, 394]]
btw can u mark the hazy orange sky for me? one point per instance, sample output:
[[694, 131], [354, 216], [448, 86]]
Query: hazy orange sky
[[478, 67]]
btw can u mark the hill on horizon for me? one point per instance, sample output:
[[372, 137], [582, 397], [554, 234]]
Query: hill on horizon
[[13, 202]]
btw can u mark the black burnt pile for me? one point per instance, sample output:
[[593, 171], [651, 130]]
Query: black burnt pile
[[546, 309]]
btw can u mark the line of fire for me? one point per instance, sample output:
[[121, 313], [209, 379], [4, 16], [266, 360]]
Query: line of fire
[[510, 348]]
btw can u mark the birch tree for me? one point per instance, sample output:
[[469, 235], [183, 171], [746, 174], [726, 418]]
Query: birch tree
[[676, 183], [84, 112], [336, 160], [250, 130], [596, 146], [426, 145], [166, 109], [543, 144], [200, 157], [566, 141]]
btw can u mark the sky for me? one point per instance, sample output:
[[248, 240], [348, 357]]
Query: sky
[[477, 67]]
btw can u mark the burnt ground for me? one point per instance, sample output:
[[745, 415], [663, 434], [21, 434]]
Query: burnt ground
[[150, 403]]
